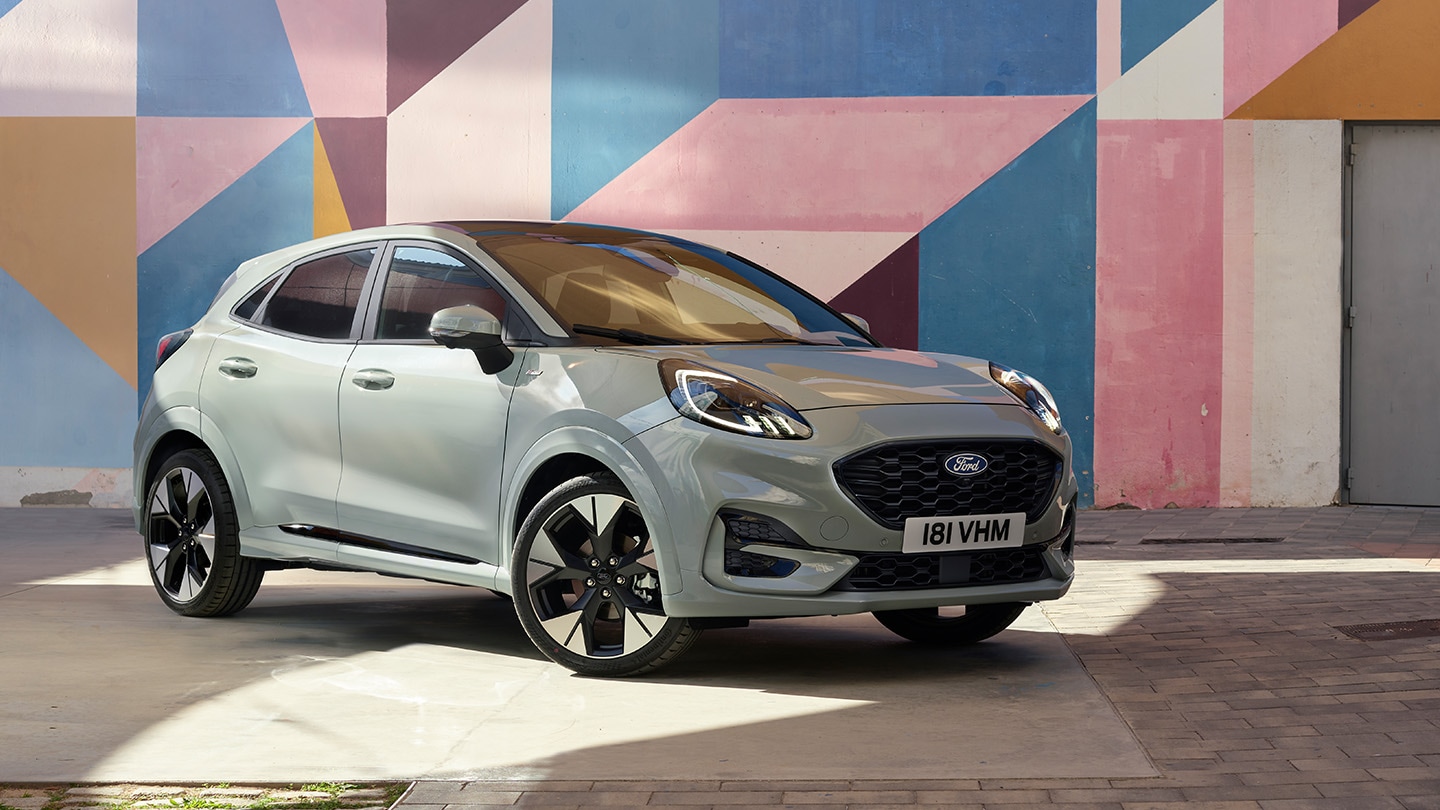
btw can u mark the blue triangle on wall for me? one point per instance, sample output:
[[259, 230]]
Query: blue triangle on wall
[[269, 207], [216, 59], [64, 406], [626, 75], [1146, 24], [1008, 274]]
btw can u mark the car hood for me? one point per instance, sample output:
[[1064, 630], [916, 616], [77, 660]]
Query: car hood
[[814, 377]]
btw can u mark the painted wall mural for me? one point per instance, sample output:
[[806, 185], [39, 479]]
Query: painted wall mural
[[1137, 201]]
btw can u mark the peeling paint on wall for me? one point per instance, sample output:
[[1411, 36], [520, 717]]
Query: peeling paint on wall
[[65, 486]]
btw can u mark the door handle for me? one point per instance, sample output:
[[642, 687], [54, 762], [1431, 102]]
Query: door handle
[[241, 368], [373, 379]]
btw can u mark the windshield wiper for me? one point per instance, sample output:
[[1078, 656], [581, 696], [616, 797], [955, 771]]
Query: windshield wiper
[[628, 335], [800, 341]]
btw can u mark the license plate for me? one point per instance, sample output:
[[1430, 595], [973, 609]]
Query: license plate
[[932, 534]]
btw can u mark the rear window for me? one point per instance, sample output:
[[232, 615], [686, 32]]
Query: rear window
[[318, 299]]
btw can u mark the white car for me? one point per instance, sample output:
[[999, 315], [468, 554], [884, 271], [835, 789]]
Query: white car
[[635, 436]]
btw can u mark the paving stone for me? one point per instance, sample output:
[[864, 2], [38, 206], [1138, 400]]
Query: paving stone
[[785, 785], [757, 798], [1235, 805], [534, 785], [806, 797], [917, 784], [440, 793], [604, 798], [1369, 803], [1236, 684], [1006, 798], [470, 797], [1294, 777]]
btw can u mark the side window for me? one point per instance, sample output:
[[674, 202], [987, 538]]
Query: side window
[[318, 298], [423, 281], [246, 310]]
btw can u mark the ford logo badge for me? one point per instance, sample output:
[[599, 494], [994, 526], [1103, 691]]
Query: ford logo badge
[[966, 464]]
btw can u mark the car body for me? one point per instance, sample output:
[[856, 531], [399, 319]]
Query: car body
[[634, 435]]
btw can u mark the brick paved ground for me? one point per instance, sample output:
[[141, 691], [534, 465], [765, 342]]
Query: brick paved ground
[[1214, 633]]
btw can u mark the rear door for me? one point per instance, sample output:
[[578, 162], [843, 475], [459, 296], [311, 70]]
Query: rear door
[[422, 427], [269, 390]]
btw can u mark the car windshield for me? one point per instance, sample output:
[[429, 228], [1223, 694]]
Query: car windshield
[[610, 285]]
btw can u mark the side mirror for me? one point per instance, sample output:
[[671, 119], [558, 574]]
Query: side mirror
[[858, 321], [471, 327]]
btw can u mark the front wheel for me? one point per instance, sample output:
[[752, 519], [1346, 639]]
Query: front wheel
[[586, 585], [937, 626], [192, 542]]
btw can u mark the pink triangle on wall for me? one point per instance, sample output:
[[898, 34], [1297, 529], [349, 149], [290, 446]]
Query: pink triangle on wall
[[182, 163], [825, 164], [339, 48], [1264, 38]]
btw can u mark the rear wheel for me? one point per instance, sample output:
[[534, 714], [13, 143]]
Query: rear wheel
[[586, 585], [941, 626], [192, 541]]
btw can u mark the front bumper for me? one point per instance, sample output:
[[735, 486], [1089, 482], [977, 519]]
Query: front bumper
[[705, 476]]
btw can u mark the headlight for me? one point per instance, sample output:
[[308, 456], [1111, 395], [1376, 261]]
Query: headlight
[[717, 399], [1035, 397]]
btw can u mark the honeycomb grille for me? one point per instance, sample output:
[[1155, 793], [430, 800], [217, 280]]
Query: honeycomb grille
[[745, 564], [754, 530], [897, 572], [892, 482]]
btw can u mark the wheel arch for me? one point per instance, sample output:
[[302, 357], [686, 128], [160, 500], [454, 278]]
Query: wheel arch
[[565, 454], [185, 428], [551, 473]]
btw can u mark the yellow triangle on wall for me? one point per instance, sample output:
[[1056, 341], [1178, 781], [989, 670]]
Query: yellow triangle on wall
[[330, 216], [1383, 66]]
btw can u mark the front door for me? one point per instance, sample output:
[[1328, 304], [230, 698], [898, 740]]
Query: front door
[[422, 427]]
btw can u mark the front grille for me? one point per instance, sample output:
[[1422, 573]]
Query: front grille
[[1001, 566], [892, 482]]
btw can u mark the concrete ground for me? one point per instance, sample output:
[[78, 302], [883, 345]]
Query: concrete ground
[[1201, 660]]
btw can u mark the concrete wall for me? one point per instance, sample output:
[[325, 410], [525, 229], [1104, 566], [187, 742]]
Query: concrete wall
[[1139, 202]]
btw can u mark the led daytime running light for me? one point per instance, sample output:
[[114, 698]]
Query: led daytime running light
[[1032, 394], [720, 400]]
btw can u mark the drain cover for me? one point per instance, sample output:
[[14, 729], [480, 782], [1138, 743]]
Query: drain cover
[[1420, 628], [1167, 541]]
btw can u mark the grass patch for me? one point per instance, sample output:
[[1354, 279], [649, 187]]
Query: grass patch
[[334, 796]]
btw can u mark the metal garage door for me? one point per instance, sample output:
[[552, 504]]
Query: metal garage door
[[1393, 380]]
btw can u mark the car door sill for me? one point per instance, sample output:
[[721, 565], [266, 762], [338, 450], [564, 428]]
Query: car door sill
[[362, 541]]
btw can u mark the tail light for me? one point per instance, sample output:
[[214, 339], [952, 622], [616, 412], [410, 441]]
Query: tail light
[[169, 344]]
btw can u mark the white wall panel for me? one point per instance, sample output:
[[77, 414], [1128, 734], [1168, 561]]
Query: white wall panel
[[1298, 250], [475, 141]]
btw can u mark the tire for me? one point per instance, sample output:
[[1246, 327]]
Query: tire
[[930, 626], [192, 543], [586, 586]]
